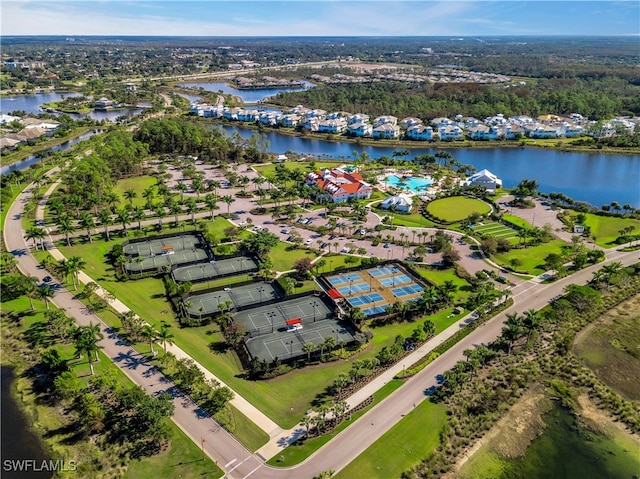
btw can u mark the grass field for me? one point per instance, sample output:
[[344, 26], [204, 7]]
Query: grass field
[[606, 228], [283, 258], [531, 257], [270, 170], [137, 184], [412, 220], [439, 276], [402, 447], [497, 230], [457, 208]]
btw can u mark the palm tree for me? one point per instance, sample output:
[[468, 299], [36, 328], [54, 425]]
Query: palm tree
[[130, 194], [149, 194], [531, 320], [192, 207], [512, 330], [36, 234], [308, 348], [123, 218], [138, 214], [211, 202], [86, 340], [158, 210], [44, 293], [228, 200], [27, 287], [88, 222], [75, 264], [181, 187], [150, 335], [111, 198], [105, 220], [165, 336], [65, 227]]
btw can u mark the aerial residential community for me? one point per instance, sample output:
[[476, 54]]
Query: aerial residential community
[[328, 255]]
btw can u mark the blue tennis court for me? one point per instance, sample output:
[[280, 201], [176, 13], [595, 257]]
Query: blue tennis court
[[375, 310], [365, 299], [407, 290], [344, 278], [354, 288], [401, 279], [384, 271]]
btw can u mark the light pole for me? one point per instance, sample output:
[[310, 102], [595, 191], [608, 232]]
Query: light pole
[[313, 303], [260, 290], [290, 343]]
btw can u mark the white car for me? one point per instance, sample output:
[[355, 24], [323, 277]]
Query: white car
[[309, 241], [345, 250]]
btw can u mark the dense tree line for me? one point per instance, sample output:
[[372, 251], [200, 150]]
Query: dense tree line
[[596, 99]]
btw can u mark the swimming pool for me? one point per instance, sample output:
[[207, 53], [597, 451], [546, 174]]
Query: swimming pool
[[416, 184]]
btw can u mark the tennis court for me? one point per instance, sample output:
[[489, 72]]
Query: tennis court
[[149, 263], [365, 299], [354, 288], [209, 303], [155, 247], [383, 271], [273, 317], [375, 310], [289, 345], [214, 269], [407, 290], [344, 278], [392, 281]]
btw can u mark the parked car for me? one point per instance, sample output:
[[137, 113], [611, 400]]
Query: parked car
[[309, 241], [387, 245], [284, 231], [345, 250]]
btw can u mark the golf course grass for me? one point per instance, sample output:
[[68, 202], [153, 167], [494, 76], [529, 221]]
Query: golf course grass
[[457, 208]]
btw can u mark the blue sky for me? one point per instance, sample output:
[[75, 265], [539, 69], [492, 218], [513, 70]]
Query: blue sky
[[320, 18]]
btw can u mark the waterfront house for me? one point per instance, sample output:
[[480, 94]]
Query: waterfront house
[[410, 121], [230, 113], [340, 185], [289, 120], [420, 132], [512, 131], [337, 115], [386, 131], [310, 124], [541, 131], [269, 118], [360, 129], [442, 122], [104, 104], [450, 133], [486, 179], [482, 132], [332, 126], [385, 120], [358, 118]]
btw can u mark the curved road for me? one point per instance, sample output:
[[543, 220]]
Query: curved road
[[235, 460]]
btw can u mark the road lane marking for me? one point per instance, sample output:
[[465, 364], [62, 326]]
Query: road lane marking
[[230, 462], [245, 477], [240, 464]]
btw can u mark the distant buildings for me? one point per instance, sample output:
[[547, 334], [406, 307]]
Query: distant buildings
[[33, 129]]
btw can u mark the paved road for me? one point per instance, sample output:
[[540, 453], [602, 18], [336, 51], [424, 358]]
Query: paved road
[[220, 445]]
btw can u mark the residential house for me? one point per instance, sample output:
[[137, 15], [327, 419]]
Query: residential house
[[317, 114], [442, 122], [289, 120], [269, 118], [332, 126], [337, 115], [310, 124], [512, 131], [541, 131], [360, 129], [450, 133], [385, 120], [386, 131], [358, 118], [339, 185], [420, 132], [571, 130], [486, 179], [483, 132], [401, 202], [104, 104], [230, 113], [410, 121], [247, 115]]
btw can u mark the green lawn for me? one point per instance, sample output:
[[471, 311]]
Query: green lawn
[[516, 220], [439, 276], [404, 446], [606, 228], [411, 220], [457, 208], [283, 256], [138, 184], [270, 170], [532, 257]]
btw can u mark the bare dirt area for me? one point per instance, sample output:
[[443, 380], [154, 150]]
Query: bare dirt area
[[611, 348], [600, 422]]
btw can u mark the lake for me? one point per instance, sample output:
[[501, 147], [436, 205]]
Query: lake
[[31, 104], [593, 177], [247, 96], [18, 441]]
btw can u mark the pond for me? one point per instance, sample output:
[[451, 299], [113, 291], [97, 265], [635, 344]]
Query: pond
[[247, 96]]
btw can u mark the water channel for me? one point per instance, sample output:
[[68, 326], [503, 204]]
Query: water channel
[[19, 443], [247, 96]]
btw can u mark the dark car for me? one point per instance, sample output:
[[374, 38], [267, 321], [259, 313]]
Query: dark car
[[47, 279]]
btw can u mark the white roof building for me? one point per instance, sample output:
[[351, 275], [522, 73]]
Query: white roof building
[[402, 202], [485, 178]]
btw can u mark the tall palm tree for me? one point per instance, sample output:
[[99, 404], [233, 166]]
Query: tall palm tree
[[44, 293], [308, 348], [149, 194], [228, 200], [158, 210], [87, 222], [211, 202], [165, 336], [75, 265], [181, 187], [86, 340], [123, 218], [36, 234], [111, 198], [192, 207], [104, 216], [138, 214], [27, 287], [150, 335], [530, 320], [65, 227]]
